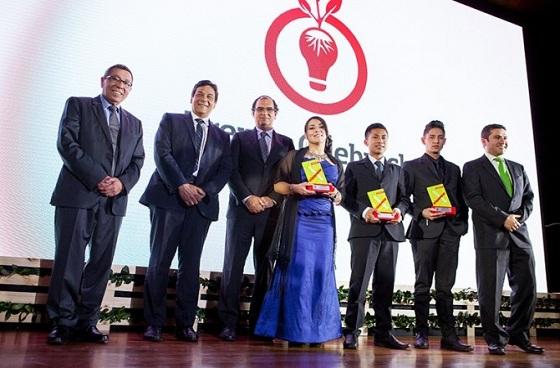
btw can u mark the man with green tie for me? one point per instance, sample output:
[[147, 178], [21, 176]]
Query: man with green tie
[[501, 199]]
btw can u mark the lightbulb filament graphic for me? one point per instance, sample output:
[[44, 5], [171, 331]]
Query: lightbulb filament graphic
[[320, 52]]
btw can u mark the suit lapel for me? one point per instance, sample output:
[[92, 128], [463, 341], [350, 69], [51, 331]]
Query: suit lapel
[[99, 114], [124, 136], [491, 171], [190, 127], [370, 169], [429, 164], [275, 148]]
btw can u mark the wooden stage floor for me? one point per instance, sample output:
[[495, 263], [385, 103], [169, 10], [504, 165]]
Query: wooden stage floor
[[127, 349]]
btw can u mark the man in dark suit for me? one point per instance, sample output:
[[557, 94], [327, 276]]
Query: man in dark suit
[[374, 242], [435, 237], [501, 199], [101, 147], [253, 209], [193, 164]]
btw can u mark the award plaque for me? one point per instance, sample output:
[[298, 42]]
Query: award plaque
[[440, 200], [316, 177], [381, 207]]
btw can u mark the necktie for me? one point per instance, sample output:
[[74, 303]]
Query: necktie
[[378, 170], [263, 146], [198, 135], [114, 127], [502, 170], [440, 168]]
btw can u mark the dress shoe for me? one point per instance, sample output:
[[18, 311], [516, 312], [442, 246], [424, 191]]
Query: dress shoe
[[455, 345], [228, 334], [350, 341], [262, 338], [496, 349], [187, 334], [92, 334], [422, 341], [315, 345], [526, 346], [293, 344], [153, 333], [58, 335], [391, 342]]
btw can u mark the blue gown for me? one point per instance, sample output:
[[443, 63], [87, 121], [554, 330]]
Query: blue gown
[[301, 304]]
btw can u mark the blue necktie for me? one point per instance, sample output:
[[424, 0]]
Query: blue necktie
[[378, 170], [198, 135], [263, 146]]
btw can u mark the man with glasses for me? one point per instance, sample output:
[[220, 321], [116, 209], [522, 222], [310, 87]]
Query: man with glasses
[[193, 164], [253, 209], [102, 152]]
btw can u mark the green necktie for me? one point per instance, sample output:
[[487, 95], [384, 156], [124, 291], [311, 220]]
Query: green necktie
[[502, 170]]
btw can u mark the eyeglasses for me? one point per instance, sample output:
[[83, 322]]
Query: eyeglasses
[[270, 110], [116, 80]]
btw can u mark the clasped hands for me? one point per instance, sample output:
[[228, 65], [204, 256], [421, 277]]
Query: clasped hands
[[191, 194], [110, 186], [257, 204]]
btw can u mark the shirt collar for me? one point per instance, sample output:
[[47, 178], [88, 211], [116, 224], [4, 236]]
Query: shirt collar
[[106, 104], [374, 160], [194, 117]]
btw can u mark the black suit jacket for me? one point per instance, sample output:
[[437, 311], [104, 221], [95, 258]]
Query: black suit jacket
[[250, 174], [175, 159], [487, 197], [359, 179], [84, 143], [421, 173]]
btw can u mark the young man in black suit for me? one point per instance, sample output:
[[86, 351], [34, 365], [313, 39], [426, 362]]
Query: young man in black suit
[[101, 146], [374, 242], [252, 212], [435, 237], [501, 199], [193, 164]]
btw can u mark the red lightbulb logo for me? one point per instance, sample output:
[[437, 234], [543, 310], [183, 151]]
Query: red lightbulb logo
[[317, 46]]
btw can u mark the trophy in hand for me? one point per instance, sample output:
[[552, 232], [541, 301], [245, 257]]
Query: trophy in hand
[[316, 177], [381, 207], [440, 200]]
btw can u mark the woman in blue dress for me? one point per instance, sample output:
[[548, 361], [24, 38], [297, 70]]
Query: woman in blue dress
[[301, 305]]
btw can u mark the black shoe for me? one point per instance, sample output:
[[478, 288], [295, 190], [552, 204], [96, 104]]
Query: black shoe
[[526, 346], [350, 341], [262, 338], [153, 333], [391, 342], [92, 334], [421, 341], [455, 345], [187, 334], [293, 344], [228, 334], [58, 335], [315, 345], [496, 349]]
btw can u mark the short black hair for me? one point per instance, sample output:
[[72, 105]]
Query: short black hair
[[434, 124], [261, 97], [118, 66], [374, 126], [205, 82], [487, 130]]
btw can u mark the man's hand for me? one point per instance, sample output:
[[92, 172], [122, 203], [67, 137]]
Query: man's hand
[[254, 204], [370, 218], [110, 186], [191, 194], [511, 223], [396, 216], [432, 213]]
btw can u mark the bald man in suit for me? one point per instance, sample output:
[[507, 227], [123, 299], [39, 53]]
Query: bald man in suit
[[253, 209], [500, 196]]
